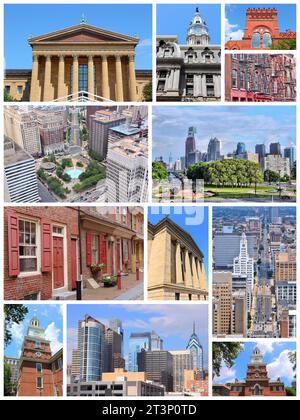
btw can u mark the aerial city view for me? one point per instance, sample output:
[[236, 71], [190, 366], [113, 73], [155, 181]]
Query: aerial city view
[[56, 153], [137, 351], [214, 154], [254, 272]]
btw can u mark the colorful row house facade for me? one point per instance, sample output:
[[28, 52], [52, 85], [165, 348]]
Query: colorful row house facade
[[44, 247]]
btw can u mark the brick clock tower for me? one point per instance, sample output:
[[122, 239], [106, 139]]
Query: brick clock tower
[[37, 365]]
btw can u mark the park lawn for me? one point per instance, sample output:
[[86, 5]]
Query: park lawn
[[243, 192]]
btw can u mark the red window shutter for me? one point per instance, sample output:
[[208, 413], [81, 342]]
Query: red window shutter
[[46, 241], [88, 249], [13, 245], [103, 252]]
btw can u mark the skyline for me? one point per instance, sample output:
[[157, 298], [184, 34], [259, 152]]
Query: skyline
[[235, 18], [182, 14], [42, 19], [275, 356], [51, 319], [163, 319], [251, 125], [197, 228]]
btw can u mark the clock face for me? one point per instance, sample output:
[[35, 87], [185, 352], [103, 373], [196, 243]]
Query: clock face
[[38, 354], [35, 333]]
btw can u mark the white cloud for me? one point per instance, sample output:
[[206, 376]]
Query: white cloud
[[145, 43], [266, 347], [18, 332], [52, 334], [232, 31], [227, 375], [281, 367]]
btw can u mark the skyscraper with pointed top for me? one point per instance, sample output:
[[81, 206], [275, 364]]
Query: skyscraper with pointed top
[[196, 349]]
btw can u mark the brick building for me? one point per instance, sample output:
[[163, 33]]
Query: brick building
[[42, 248], [261, 31], [41, 372], [260, 78]]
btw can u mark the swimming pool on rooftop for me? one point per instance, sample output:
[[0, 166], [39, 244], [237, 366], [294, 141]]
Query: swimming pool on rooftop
[[74, 173]]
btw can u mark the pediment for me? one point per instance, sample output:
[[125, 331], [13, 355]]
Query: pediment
[[83, 34]]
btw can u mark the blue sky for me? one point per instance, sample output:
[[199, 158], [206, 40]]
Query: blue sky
[[165, 320], [236, 18], [230, 124], [50, 317], [22, 21], [174, 19], [192, 219], [275, 356]]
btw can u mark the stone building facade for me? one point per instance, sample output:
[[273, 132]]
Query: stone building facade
[[261, 31], [260, 78], [189, 72], [175, 264], [81, 62]]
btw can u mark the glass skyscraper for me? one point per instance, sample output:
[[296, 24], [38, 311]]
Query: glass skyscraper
[[196, 350], [141, 341]]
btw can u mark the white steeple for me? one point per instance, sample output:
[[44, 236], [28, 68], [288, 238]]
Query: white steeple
[[198, 31]]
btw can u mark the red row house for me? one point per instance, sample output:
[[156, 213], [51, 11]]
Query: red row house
[[42, 248], [260, 78]]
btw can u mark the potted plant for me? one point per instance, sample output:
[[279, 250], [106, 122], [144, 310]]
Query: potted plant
[[96, 269], [109, 281]]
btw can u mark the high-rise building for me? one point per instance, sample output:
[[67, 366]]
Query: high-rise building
[[99, 124], [214, 150], [182, 360], [40, 370], [13, 363], [156, 342], [20, 124], [158, 366], [260, 150], [240, 313], [190, 145], [286, 266], [127, 171], [20, 179], [222, 303], [278, 164], [196, 350], [227, 247], [241, 148], [113, 351], [275, 149], [52, 123], [92, 347], [290, 153], [137, 342], [75, 368], [243, 265]]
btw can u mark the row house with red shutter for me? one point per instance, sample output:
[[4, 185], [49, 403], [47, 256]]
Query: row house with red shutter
[[43, 249]]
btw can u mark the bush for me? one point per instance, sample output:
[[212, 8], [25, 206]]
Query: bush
[[95, 155], [87, 183], [57, 187], [66, 162], [42, 174], [79, 164]]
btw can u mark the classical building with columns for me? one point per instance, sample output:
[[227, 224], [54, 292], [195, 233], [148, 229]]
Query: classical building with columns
[[189, 72], [81, 62], [175, 264]]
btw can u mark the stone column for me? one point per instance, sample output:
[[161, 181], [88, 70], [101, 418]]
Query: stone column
[[179, 279], [188, 272], [47, 80], [217, 85], [34, 91], [202, 277], [75, 82], [169, 82], [61, 78], [175, 85], [105, 82], [119, 79], [132, 79], [204, 92], [196, 280], [91, 81]]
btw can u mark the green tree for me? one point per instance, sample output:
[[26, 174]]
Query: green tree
[[294, 171], [7, 97], [42, 174], [95, 155], [293, 361], [285, 44], [14, 314], [8, 385], [271, 176], [159, 171], [225, 353], [147, 92]]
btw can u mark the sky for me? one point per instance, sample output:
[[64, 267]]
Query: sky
[[236, 18], [230, 124], [192, 219], [127, 19], [174, 19], [275, 356], [164, 319], [50, 317]]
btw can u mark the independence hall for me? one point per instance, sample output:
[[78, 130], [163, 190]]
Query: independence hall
[[260, 78]]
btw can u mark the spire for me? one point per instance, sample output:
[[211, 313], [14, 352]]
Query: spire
[[194, 328], [83, 19], [198, 31]]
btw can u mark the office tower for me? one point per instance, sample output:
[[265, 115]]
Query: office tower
[[21, 126], [240, 313], [182, 360], [92, 346], [222, 303], [113, 351], [127, 130], [158, 366], [196, 349], [243, 265], [52, 124], [241, 148], [13, 364], [227, 247], [127, 171], [20, 180], [285, 266], [137, 342], [190, 145], [156, 342], [177, 165], [275, 149], [260, 150], [99, 124], [275, 215], [75, 368], [290, 153], [214, 150], [182, 160]]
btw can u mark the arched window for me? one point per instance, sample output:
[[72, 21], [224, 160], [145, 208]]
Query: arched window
[[255, 40], [234, 78], [267, 41], [256, 390]]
